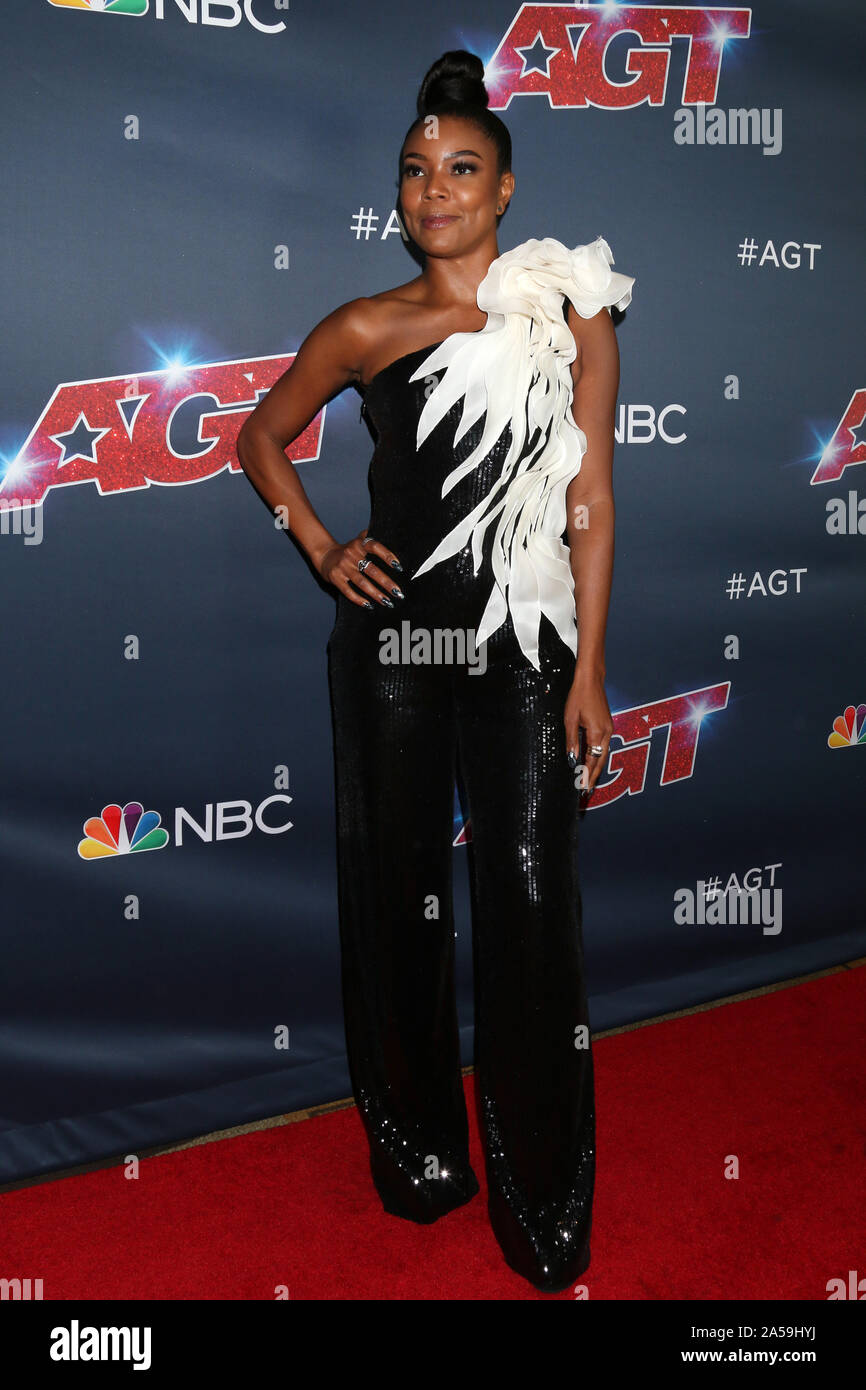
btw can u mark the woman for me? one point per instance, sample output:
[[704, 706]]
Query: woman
[[491, 384]]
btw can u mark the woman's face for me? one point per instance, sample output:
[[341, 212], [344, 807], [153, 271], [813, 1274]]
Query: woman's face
[[449, 187]]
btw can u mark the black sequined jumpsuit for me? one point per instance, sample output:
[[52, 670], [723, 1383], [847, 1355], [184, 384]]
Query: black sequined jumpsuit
[[399, 731]]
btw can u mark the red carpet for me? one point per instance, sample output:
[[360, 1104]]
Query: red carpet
[[776, 1081]]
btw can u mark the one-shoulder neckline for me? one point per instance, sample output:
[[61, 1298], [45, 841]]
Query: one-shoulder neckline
[[428, 347], [404, 357]]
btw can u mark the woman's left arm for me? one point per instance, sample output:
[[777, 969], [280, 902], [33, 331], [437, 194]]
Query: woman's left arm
[[590, 530]]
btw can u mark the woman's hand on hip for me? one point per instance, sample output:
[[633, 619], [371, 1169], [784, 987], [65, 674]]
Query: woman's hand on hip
[[339, 566]]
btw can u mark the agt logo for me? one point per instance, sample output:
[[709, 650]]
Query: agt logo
[[680, 717], [130, 829], [178, 425], [225, 14], [562, 52], [847, 446]]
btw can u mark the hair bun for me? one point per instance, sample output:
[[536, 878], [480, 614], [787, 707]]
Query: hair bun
[[456, 77]]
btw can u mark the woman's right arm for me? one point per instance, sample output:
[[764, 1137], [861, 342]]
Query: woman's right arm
[[326, 362]]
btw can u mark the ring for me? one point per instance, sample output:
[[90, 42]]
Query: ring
[[362, 564], [597, 750]]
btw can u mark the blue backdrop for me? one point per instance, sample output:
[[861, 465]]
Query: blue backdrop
[[188, 191]]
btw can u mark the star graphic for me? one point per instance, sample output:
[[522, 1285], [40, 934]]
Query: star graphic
[[536, 56], [79, 442], [857, 430]]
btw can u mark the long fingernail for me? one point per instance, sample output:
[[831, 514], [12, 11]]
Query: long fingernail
[[367, 603], [398, 592], [395, 564], [386, 601]]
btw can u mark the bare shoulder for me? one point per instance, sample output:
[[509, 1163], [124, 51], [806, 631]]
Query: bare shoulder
[[341, 337], [333, 355], [389, 310], [350, 332]]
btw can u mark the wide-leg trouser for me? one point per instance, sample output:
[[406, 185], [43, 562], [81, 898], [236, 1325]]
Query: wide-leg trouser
[[400, 733]]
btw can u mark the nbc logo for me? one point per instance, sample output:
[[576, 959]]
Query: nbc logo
[[848, 728], [108, 6], [207, 12], [122, 831], [128, 829]]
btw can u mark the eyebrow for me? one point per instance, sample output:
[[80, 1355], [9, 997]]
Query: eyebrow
[[413, 154]]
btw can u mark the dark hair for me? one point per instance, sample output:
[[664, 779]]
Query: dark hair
[[454, 86]]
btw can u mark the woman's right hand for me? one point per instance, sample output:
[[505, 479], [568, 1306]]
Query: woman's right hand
[[339, 566]]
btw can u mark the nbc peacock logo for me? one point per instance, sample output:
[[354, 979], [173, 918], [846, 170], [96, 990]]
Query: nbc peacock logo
[[105, 6], [848, 728], [122, 830]]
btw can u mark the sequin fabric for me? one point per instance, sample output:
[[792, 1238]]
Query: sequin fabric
[[401, 733]]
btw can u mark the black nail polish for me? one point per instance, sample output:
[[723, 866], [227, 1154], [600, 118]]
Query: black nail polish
[[395, 564], [398, 592], [367, 603], [387, 602]]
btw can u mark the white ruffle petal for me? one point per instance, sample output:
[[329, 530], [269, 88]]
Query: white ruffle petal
[[517, 371]]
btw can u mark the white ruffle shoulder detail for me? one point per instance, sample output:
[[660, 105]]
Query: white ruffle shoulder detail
[[516, 371]]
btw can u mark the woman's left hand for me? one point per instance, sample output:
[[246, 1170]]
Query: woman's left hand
[[587, 708]]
